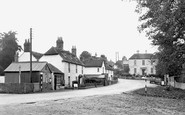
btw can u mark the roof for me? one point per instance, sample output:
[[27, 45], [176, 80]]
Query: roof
[[25, 66], [25, 56], [37, 55], [93, 63], [54, 69], [66, 55], [143, 56]]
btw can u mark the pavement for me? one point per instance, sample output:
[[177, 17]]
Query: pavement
[[123, 85]]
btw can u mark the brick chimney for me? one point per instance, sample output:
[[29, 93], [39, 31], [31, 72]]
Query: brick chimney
[[73, 50], [16, 56], [60, 43], [26, 46]]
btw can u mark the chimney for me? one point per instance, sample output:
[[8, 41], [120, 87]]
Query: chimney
[[16, 56], [60, 43], [26, 46], [137, 51], [73, 50], [145, 51]]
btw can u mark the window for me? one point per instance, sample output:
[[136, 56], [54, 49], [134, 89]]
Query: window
[[82, 69], [69, 67], [76, 68], [134, 62], [69, 80], [98, 69], [143, 62], [152, 70], [135, 70]]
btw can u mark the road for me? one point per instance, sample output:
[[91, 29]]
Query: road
[[122, 86]]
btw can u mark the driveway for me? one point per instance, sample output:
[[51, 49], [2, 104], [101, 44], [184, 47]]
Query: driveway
[[122, 86]]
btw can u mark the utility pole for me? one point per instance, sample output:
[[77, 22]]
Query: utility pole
[[31, 55]]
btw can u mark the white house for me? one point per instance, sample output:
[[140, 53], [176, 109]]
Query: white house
[[98, 68], [65, 61], [141, 64]]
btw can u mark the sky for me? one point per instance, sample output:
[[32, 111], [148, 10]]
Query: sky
[[96, 26]]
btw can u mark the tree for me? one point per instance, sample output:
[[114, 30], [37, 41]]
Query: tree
[[9, 46], [164, 23], [103, 57], [85, 55]]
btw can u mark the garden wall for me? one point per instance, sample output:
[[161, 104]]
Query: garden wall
[[16, 87]]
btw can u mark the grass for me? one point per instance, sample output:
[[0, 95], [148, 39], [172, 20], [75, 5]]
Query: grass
[[161, 91]]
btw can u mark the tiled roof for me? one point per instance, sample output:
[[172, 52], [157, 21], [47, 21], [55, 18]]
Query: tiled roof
[[25, 66], [66, 55], [93, 63], [37, 55], [143, 56]]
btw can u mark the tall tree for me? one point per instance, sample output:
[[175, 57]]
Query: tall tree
[[85, 55], [9, 46], [164, 23]]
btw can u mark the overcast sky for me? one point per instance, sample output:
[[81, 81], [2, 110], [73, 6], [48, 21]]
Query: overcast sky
[[96, 26]]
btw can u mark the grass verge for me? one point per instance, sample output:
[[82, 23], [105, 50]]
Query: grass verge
[[161, 91]]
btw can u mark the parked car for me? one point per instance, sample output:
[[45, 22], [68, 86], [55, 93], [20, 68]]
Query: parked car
[[155, 80]]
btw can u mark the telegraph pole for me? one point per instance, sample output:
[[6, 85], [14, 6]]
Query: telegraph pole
[[31, 55]]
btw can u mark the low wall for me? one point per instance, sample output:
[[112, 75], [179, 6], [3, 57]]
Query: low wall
[[180, 85], [16, 87], [36, 87], [176, 84]]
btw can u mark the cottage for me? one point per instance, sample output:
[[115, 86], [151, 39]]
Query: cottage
[[98, 68], [65, 61], [141, 64]]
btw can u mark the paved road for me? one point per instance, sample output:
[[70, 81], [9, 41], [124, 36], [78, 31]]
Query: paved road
[[121, 86]]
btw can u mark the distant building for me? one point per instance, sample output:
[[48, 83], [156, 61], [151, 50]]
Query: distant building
[[97, 67], [65, 61], [141, 64]]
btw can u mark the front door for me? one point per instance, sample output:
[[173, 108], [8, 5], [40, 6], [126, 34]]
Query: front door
[[143, 71]]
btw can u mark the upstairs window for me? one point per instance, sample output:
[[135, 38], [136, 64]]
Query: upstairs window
[[135, 62], [98, 69], [143, 62], [82, 70], [69, 67], [76, 68]]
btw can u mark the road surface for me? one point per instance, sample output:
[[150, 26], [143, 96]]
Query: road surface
[[122, 86]]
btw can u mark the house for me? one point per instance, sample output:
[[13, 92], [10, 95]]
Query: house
[[142, 63], [25, 56], [44, 75], [65, 61], [98, 68]]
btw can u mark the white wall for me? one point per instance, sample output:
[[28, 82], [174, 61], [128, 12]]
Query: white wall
[[2, 79], [25, 56], [55, 60], [94, 70], [139, 66]]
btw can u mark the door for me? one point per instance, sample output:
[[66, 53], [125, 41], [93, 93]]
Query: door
[[143, 71]]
